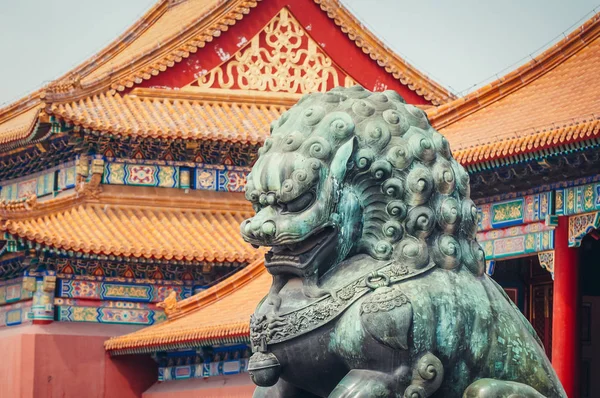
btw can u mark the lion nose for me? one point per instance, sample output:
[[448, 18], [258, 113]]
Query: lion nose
[[268, 228], [254, 230]]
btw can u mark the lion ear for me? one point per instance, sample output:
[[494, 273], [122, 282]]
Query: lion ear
[[339, 164]]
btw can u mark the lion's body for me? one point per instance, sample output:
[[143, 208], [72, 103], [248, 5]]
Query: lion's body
[[379, 284], [476, 332]]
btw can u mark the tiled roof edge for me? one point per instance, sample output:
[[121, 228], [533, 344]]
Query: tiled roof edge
[[385, 57], [550, 138], [145, 341], [451, 112]]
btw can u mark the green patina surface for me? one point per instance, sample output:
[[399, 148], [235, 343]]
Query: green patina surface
[[378, 279]]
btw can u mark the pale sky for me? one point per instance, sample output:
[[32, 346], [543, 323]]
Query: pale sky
[[459, 43]]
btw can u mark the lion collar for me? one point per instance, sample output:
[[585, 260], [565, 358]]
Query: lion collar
[[272, 329]]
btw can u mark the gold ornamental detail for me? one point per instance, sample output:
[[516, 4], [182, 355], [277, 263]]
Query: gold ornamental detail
[[281, 58]]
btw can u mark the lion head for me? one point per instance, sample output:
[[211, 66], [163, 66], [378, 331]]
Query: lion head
[[351, 171]]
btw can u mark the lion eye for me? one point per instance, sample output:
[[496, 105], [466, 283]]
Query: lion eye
[[301, 203]]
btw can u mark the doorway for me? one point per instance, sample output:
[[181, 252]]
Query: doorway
[[531, 289]]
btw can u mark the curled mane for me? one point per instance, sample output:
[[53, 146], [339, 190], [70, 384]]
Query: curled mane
[[413, 193]]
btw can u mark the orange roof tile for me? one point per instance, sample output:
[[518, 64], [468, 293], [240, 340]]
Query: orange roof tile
[[220, 314], [18, 127], [384, 56], [166, 21], [138, 230], [167, 34], [552, 100], [171, 31], [171, 117]]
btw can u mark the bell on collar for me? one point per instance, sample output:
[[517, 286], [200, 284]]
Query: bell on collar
[[264, 369]]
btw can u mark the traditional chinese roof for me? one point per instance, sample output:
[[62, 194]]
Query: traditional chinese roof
[[243, 117], [21, 126], [172, 30], [551, 101], [201, 227], [218, 315], [97, 94]]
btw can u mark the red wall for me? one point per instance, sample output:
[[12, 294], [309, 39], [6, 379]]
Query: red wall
[[234, 386], [16, 366], [63, 360]]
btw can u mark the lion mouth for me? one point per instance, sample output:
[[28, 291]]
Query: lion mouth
[[297, 257]]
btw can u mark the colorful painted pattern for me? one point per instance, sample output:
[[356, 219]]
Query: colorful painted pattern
[[136, 273], [97, 290], [523, 210], [45, 184], [203, 370], [515, 246], [12, 291], [172, 175], [15, 314], [40, 184], [226, 180], [66, 177], [512, 231], [141, 175], [74, 310], [42, 307], [577, 200], [547, 261], [26, 188], [580, 225]]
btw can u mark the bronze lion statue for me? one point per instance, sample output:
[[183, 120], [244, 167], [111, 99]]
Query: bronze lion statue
[[379, 287]]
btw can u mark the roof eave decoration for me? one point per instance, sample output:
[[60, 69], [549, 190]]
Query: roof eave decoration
[[549, 140], [143, 66], [243, 118], [385, 57], [216, 20], [453, 111], [35, 128], [70, 223], [160, 337]]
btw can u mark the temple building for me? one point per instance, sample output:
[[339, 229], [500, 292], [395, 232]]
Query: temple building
[[121, 183], [121, 194]]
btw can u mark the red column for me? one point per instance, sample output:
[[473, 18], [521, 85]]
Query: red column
[[565, 315]]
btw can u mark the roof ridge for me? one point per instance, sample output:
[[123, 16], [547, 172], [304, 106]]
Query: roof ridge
[[371, 45], [76, 71], [231, 11], [219, 96], [571, 44]]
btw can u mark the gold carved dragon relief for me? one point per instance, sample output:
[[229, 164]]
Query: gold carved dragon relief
[[282, 57]]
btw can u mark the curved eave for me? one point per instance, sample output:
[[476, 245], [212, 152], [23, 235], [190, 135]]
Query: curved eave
[[153, 228], [172, 50], [453, 111], [385, 57], [540, 141], [191, 324]]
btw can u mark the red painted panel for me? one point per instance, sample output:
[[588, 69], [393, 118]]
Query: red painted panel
[[323, 30]]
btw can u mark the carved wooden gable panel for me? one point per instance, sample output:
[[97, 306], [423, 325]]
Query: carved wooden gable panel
[[282, 57]]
